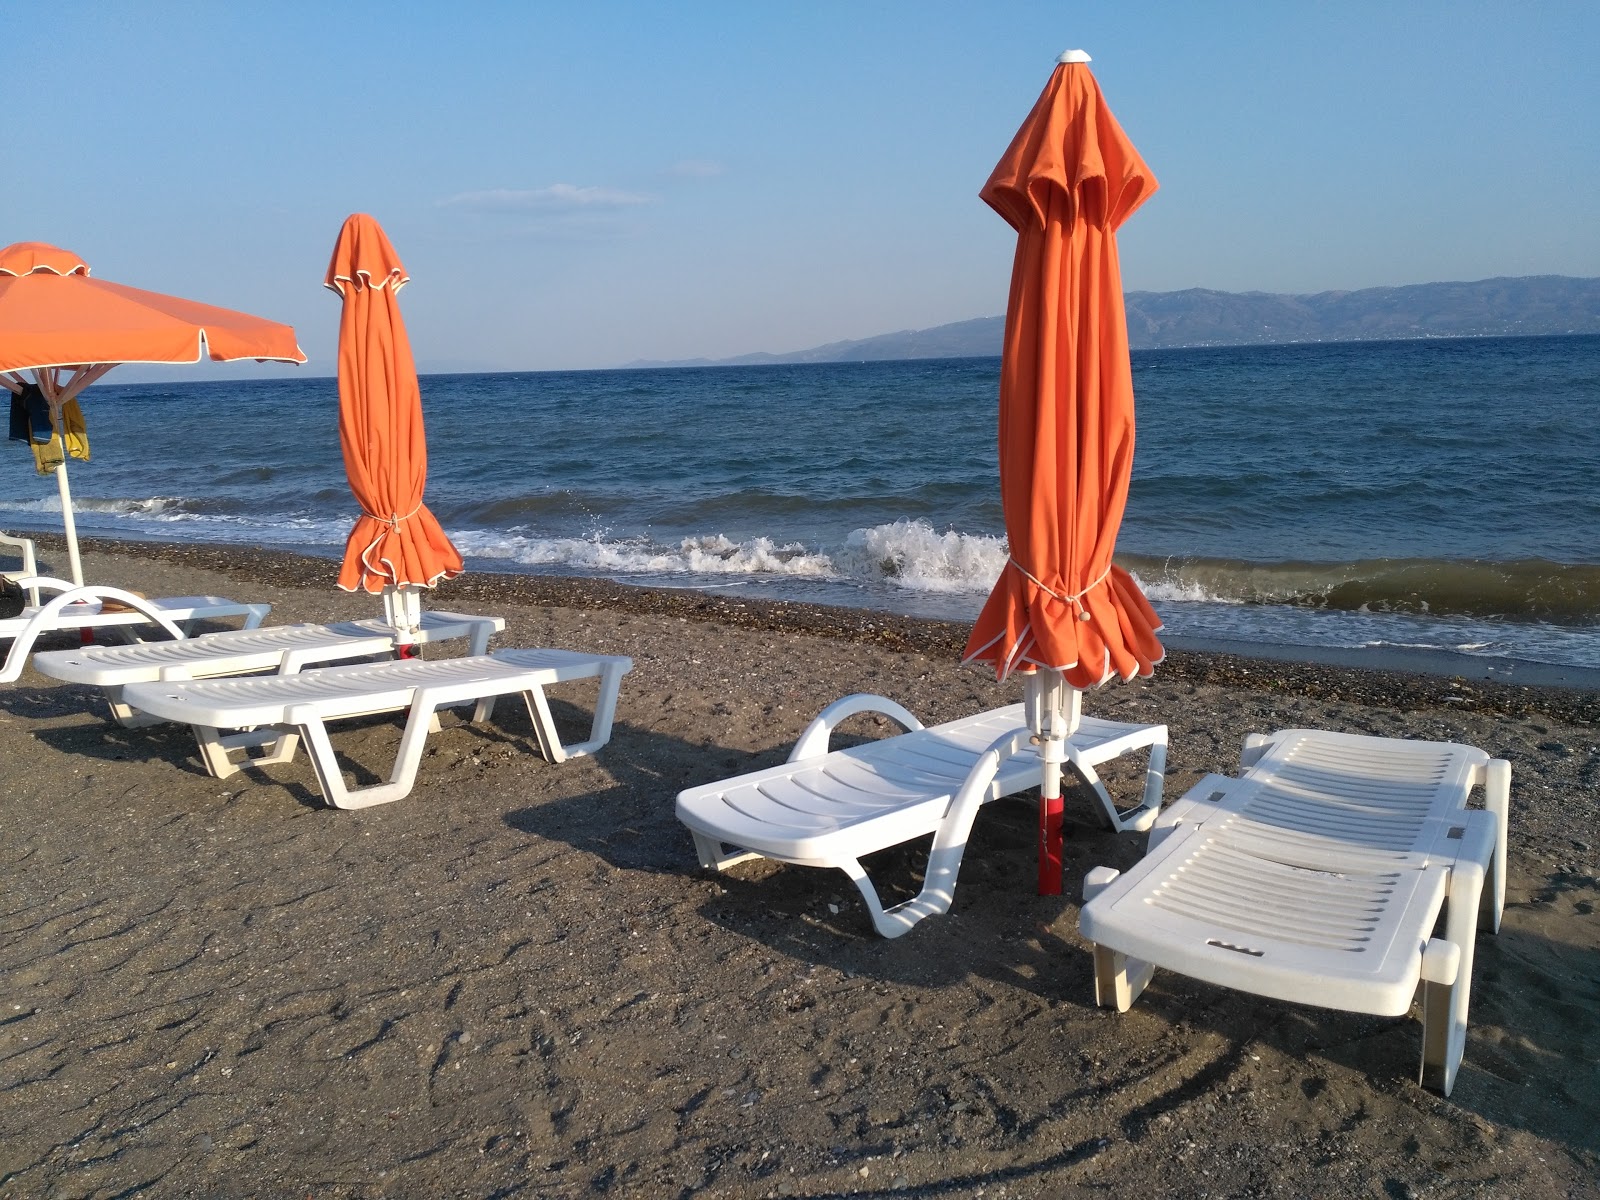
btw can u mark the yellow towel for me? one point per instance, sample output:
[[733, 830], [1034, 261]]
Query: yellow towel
[[47, 456]]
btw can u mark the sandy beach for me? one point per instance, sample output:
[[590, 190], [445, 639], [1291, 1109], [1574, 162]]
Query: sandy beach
[[519, 982]]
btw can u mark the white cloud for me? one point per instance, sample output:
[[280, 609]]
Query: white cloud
[[557, 198]]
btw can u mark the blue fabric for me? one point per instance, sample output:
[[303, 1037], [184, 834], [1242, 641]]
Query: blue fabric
[[30, 415]]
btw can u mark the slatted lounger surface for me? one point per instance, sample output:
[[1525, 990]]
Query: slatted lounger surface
[[82, 608], [284, 649], [1318, 877], [300, 706], [829, 808]]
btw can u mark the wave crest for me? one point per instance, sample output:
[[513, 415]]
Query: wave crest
[[913, 555], [1519, 590]]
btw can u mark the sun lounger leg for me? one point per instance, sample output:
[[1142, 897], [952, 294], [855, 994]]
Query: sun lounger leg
[[1138, 819], [1497, 799], [605, 711], [1155, 775], [1441, 969], [482, 631], [1108, 809], [125, 714], [888, 926], [544, 724], [949, 845], [16, 657], [716, 856], [217, 748], [214, 752], [1255, 745], [1118, 979], [1445, 999], [605, 707], [401, 778], [329, 779], [280, 749]]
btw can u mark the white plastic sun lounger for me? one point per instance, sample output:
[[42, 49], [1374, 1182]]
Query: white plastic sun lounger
[[80, 608], [300, 705], [284, 649], [827, 808], [1318, 877]]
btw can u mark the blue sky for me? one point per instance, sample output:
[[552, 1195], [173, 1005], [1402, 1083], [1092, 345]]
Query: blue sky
[[583, 185]]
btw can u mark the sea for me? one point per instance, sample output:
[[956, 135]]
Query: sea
[[1437, 495]]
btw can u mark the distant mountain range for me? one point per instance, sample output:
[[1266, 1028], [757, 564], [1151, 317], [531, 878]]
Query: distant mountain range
[[1535, 304]]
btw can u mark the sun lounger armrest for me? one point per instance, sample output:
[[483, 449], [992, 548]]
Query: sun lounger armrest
[[47, 583], [48, 618], [814, 741]]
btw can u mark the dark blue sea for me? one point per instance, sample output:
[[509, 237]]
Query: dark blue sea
[[1436, 494]]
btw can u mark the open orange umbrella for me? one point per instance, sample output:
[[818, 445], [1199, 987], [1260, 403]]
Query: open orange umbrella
[[1062, 611], [397, 546], [69, 329]]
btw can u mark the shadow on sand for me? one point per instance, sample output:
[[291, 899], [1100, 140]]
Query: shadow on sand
[[1531, 1051]]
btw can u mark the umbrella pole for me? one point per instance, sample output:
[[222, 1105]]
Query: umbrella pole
[[1054, 712], [74, 562], [402, 609]]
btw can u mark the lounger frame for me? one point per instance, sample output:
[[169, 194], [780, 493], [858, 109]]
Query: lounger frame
[[280, 649], [830, 808], [292, 708], [1318, 876]]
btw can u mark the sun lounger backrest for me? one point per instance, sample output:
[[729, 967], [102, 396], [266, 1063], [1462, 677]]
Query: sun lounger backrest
[[1365, 800]]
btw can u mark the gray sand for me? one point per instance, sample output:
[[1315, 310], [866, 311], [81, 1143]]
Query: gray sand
[[518, 982]]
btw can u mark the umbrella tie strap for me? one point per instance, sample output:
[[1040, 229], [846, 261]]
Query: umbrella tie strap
[[1075, 600], [384, 568], [393, 522]]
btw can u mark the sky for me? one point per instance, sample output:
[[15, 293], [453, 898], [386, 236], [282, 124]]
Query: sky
[[580, 185]]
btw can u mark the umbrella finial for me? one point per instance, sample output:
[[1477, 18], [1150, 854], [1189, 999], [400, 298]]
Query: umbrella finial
[[1072, 56]]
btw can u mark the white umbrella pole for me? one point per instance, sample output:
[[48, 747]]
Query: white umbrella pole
[[402, 609], [74, 562], [1054, 711]]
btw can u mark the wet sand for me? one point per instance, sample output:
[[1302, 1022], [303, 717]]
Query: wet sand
[[518, 981]]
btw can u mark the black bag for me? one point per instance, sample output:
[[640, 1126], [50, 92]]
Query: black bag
[[12, 599], [19, 418]]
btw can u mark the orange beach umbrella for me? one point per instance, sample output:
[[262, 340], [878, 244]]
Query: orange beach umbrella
[[69, 329], [1061, 607], [397, 546]]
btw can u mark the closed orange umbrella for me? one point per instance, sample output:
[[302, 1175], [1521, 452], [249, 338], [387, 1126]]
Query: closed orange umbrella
[[397, 546], [1061, 609], [69, 329]]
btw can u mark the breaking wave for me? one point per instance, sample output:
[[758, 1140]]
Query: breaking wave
[[1519, 590]]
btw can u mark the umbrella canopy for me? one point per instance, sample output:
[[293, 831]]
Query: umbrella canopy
[[1061, 607], [396, 546], [1067, 182], [70, 329], [53, 314]]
